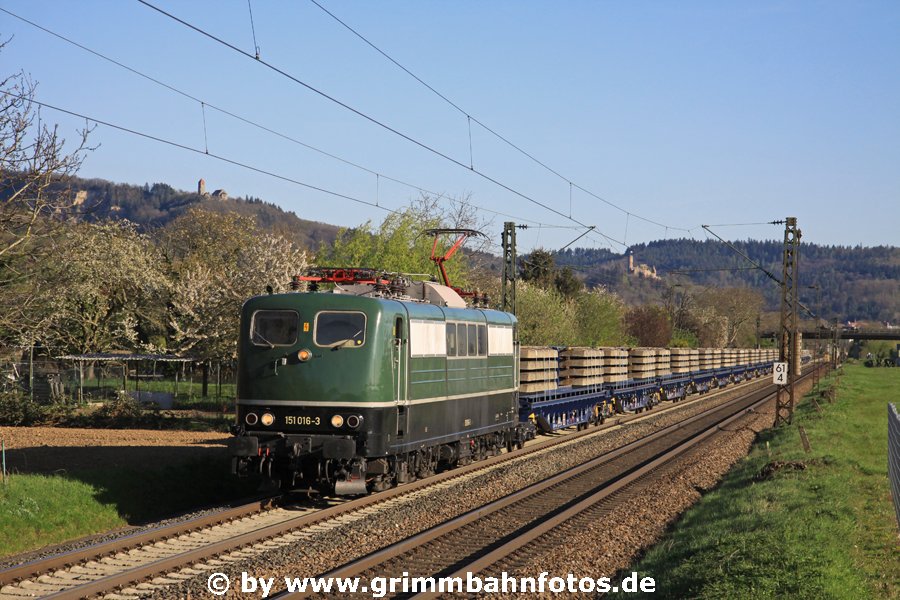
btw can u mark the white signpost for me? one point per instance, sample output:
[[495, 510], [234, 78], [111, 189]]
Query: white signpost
[[780, 373]]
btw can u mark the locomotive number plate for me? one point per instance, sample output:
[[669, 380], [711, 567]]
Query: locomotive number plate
[[301, 420]]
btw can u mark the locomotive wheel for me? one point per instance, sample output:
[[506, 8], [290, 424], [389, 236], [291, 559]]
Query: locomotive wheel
[[381, 483]]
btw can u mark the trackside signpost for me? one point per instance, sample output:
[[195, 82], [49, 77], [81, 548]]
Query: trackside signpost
[[780, 373]]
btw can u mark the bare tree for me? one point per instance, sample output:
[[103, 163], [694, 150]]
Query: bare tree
[[736, 307], [649, 324], [678, 301], [34, 167]]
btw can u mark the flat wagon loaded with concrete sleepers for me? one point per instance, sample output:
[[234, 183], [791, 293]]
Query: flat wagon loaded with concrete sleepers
[[576, 386]]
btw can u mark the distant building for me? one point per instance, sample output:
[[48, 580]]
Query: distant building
[[218, 194], [640, 270]]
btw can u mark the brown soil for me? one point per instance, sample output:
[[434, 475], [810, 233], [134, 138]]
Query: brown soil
[[54, 449]]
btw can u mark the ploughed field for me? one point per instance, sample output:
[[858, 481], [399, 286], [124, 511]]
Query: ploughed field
[[49, 449]]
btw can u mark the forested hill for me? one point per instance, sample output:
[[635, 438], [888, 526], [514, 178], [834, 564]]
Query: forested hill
[[856, 283], [152, 206]]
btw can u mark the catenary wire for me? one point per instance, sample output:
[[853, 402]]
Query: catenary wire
[[205, 104], [740, 224], [185, 147], [744, 255], [377, 122], [759, 266], [471, 119], [174, 144]]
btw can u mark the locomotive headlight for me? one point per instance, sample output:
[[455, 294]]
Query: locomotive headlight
[[304, 355], [267, 419], [251, 419], [337, 421], [354, 421]]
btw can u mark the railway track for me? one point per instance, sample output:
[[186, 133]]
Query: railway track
[[476, 540], [182, 551]]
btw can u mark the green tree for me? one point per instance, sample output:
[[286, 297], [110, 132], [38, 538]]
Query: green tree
[[545, 317], [599, 318], [539, 268], [684, 338], [399, 243], [567, 283]]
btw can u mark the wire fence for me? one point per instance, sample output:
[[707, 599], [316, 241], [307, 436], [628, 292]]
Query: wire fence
[[170, 385], [894, 456]]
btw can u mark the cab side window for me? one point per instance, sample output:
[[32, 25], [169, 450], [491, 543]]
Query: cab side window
[[451, 339], [461, 340], [482, 341]]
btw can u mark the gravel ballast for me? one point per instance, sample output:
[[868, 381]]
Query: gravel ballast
[[313, 553]]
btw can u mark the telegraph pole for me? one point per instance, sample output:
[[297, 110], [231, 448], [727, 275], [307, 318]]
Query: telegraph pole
[[508, 290], [790, 301]]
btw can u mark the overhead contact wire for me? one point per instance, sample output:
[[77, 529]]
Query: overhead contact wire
[[174, 144], [253, 30], [204, 104], [373, 120], [483, 125]]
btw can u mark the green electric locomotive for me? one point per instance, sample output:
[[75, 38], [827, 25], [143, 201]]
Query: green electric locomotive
[[373, 383]]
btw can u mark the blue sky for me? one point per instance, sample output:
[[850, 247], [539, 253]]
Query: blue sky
[[685, 113]]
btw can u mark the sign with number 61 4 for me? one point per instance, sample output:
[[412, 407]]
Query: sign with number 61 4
[[780, 373]]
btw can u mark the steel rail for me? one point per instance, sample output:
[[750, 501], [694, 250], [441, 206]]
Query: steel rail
[[546, 526], [57, 561], [130, 576], [358, 567]]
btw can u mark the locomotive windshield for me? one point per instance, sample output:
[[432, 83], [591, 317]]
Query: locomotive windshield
[[274, 328], [340, 329]]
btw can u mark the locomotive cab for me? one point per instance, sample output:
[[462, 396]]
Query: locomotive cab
[[314, 372], [354, 391]]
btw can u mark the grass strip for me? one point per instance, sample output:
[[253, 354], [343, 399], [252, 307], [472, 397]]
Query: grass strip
[[788, 524], [39, 510]]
